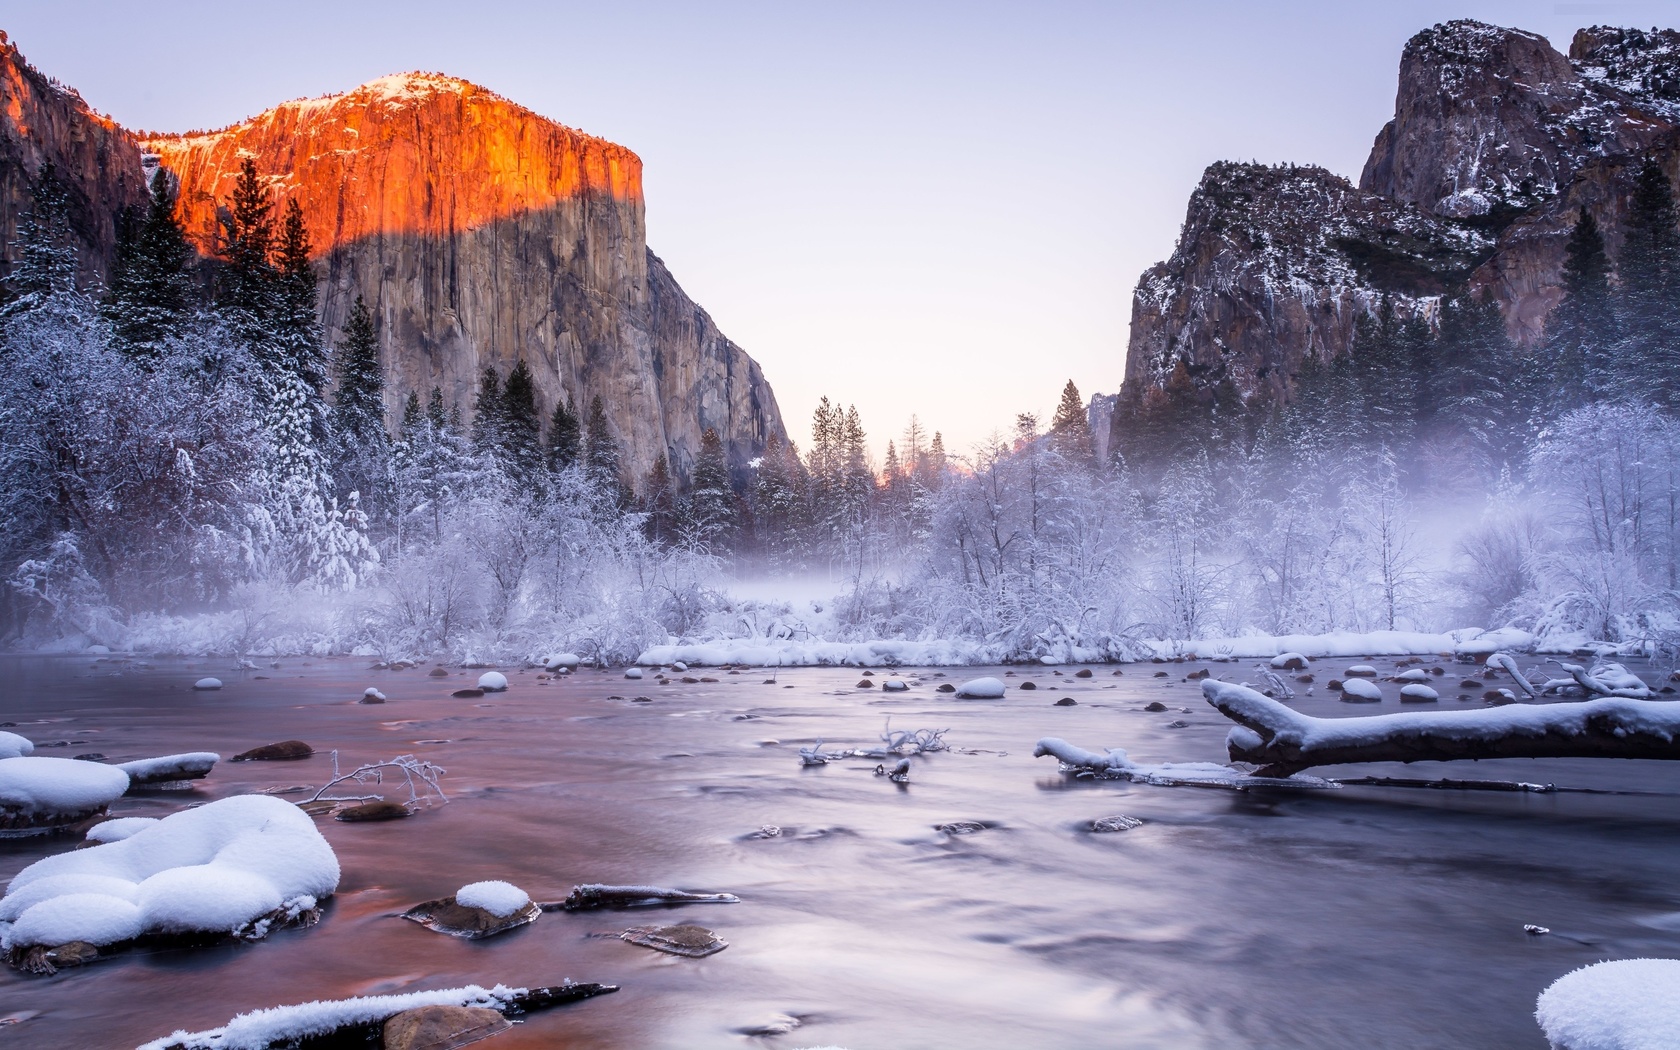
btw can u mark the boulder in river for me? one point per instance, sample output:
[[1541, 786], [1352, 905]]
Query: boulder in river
[[438, 672], [370, 695], [1118, 822], [945, 687], [864, 683], [1066, 701], [981, 689], [895, 685], [373, 811], [445, 915], [493, 682], [284, 751], [441, 1027], [689, 941], [1154, 705], [1083, 672], [208, 684], [467, 694]]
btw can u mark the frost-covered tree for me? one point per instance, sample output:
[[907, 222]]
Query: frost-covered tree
[[1648, 358], [151, 295], [564, 447], [521, 426], [1070, 429], [601, 458], [1582, 328], [43, 260], [362, 455], [709, 514]]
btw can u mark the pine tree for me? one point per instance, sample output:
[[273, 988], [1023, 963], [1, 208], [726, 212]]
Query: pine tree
[[565, 437], [246, 286], [659, 501], [45, 261], [1649, 270], [710, 509], [150, 295], [521, 430], [298, 334], [361, 444], [1476, 382], [1070, 428], [489, 436], [600, 453], [1582, 328]]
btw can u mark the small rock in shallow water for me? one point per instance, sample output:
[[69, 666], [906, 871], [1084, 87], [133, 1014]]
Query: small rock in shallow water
[[1155, 705], [440, 1027], [1083, 672], [692, 942], [1066, 701], [864, 683], [467, 694], [284, 751], [493, 682], [446, 916], [370, 695], [1118, 822], [438, 672], [1178, 723], [961, 827], [377, 810], [895, 685], [1029, 685], [945, 687]]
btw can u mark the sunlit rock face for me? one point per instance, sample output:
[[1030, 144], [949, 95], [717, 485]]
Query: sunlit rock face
[[481, 233], [1497, 142], [96, 162]]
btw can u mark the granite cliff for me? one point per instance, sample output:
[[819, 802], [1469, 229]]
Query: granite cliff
[[1497, 142], [96, 162], [478, 232]]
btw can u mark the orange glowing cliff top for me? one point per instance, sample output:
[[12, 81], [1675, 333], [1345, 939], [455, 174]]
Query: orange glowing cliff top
[[416, 153]]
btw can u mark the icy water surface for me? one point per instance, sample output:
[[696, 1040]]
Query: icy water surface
[[1370, 918]]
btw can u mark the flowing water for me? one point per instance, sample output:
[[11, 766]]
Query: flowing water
[[1365, 917]]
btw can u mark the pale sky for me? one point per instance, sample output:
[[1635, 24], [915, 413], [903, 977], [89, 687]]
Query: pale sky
[[930, 208]]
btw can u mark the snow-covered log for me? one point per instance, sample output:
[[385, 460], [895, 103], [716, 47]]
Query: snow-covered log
[[170, 769], [361, 1016], [1282, 742]]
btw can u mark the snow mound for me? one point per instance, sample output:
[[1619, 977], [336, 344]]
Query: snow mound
[[500, 899], [14, 746], [225, 867], [633, 672], [208, 683], [119, 829], [492, 681], [1361, 671], [1288, 661], [1414, 675], [286, 1025], [372, 693], [44, 786], [895, 685], [569, 661], [1631, 1004], [981, 689], [1415, 692], [1360, 689]]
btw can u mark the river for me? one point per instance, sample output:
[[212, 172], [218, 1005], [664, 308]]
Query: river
[[1364, 917]]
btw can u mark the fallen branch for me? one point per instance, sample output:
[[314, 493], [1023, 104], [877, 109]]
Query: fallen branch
[[427, 774], [1283, 742]]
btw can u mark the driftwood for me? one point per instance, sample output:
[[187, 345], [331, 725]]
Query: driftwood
[[1282, 742]]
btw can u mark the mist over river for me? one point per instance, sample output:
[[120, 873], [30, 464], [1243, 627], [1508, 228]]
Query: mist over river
[[1361, 917]]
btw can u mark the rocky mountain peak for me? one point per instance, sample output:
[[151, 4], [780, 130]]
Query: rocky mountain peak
[[1642, 64]]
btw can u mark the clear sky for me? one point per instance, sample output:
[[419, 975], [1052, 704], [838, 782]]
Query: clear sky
[[930, 208]]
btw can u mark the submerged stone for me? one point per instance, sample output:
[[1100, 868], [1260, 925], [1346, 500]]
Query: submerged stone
[[378, 810], [689, 941], [456, 920], [441, 1027], [284, 751]]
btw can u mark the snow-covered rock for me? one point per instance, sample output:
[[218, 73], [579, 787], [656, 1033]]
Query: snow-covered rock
[[492, 681], [1361, 689], [192, 765], [678, 665], [1630, 1004], [569, 661], [372, 695], [981, 689], [1416, 693], [895, 685], [1288, 662], [38, 789], [1361, 671], [1416, 674], [208, 683], [632, 672], [499, 898], [229, 867], [119, 828], [14, 746]]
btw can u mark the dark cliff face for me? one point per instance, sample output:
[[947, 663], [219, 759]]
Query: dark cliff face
[[1276, 263], [1496, 144], [97, 162]]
